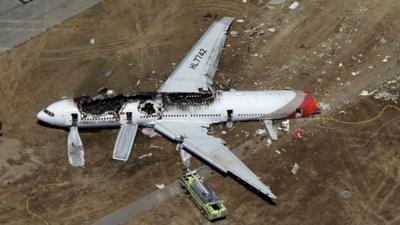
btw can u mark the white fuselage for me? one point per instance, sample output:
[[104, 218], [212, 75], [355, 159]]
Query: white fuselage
[[226, 106]]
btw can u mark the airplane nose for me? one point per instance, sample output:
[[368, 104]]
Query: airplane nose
[[41, 116], [309, 106]]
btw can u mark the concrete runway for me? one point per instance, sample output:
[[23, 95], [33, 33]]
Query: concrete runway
[[20, 20]]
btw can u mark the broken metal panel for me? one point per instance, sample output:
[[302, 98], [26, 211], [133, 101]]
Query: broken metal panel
[[75, 148], [196, 71], [271, 130], [195, 140], [125, 140]]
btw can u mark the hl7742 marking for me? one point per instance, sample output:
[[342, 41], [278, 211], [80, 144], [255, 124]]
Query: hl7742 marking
[[197, 58]]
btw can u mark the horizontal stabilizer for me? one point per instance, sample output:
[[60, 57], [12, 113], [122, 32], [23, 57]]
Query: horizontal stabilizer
[[125, 139], [75, 148]]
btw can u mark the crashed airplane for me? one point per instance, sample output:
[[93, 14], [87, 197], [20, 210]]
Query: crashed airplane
[[182, 110]]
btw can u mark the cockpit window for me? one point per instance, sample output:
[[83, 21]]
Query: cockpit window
[[48, 112]]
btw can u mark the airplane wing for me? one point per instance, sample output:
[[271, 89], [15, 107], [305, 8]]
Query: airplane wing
[[196, 71], [195, 140]]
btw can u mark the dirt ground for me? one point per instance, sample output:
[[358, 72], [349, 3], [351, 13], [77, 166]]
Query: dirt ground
[[333, 49]]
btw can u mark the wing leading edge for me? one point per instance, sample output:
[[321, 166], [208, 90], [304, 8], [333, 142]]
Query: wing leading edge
[[211, 149], [196, 71]]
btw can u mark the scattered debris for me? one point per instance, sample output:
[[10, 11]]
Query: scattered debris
[[260, 131], [272, 29], [234, 33], [298, 134], [137, 83], [110, 92], [324, 106], [286, 125], [269, 142], [185, 157], [277, 151], [160, 186], [385, 60], [92, 41], [149, 132], [294, 5], [145, 155], [108, 73], [386, 91], [155, 146], [295, 168], [223, 132], [355, 73], [276, 2], [240, 20], [345, 194], [367, 93], [386, 96]]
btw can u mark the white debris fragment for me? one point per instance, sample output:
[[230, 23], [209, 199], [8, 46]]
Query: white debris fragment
[[277, 151], [385, 60], [137, 83], [155, 146], [295, 168], [260, 131], [345, 194], [383, 41], [153, 72], [367, 93], [276, 2], [185, 157], [234, 33], [145, 155], [173, 64], [370, 67], [355, 73], [160, 186], [244, 1], [340, 65], [286, 125], [269, 142], [109, 92], [272, 29], [108, 73], [149, 132], [294, 5], [324, 106], [240, 20], [92, 41], [223, 132]]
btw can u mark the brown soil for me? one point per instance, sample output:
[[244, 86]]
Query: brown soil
[[133, 38]]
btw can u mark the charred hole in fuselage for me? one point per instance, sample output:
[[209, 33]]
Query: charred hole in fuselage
[[148, 108], [108, 104]]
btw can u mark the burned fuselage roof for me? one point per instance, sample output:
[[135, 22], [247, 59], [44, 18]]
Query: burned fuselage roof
[[103, 104]]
